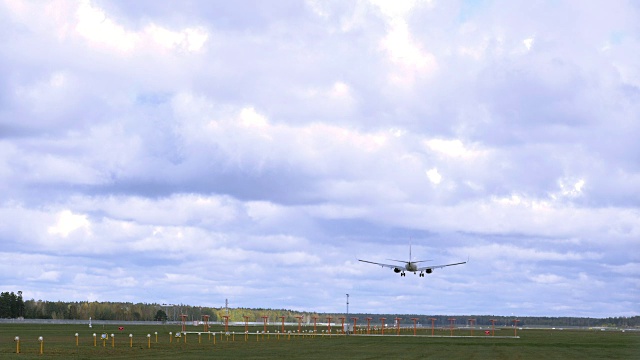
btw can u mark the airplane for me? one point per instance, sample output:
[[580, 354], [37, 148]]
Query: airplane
[[412, 266]]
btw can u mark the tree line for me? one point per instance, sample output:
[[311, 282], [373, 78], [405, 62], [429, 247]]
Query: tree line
[[13, 306]]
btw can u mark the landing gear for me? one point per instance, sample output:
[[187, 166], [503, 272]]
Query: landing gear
[[421, 274], [402, 274]]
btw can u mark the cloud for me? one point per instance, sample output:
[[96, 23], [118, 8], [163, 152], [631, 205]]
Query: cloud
[[156, 143], [94, 25], [98, 28], [49, 276], [434, 176], [409, 56], [528, 43], [67, 223], [452, 148]]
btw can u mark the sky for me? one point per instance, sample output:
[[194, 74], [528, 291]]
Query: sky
[[194, 152]]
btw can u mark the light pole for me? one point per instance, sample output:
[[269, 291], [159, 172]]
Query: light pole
[[347, 305], [347, 314]]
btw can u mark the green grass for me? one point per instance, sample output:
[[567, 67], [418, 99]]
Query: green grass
[[59, 342]]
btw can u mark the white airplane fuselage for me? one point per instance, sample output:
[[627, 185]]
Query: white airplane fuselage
[[411, 267]]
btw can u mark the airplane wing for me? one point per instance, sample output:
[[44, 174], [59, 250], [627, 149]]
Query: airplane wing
[[438, 266], [383, 265]]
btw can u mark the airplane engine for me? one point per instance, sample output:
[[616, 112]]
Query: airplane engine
[[429, 271], [396, 270]]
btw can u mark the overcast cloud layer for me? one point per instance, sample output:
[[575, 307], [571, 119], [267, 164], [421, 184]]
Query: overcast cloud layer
[[194, 152]]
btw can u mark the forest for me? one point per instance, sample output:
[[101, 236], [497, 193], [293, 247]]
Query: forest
[[12, 306]]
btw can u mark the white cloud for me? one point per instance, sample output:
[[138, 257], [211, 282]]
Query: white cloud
[[250, 118], [528, 43], [50, 276], [395, 9], [96, 26], [103, 31], [434, 176], [452, 148], [189, 39], [493, 252], [570, 187], [548, 279], [340, 90], [154, 145], [409, 56], [69, 222], [404, 51]]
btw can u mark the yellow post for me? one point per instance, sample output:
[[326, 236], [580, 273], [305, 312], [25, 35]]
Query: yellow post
[[130, 340], [185, 337], [156, 336], [148, 341], [41, 344], [76, 339], [17, 340], [233, 336], [199, 338], [214, 338], [170, 337], [113, 340], [94, 339]]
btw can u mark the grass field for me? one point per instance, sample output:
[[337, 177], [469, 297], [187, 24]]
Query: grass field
[[60, 342]]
